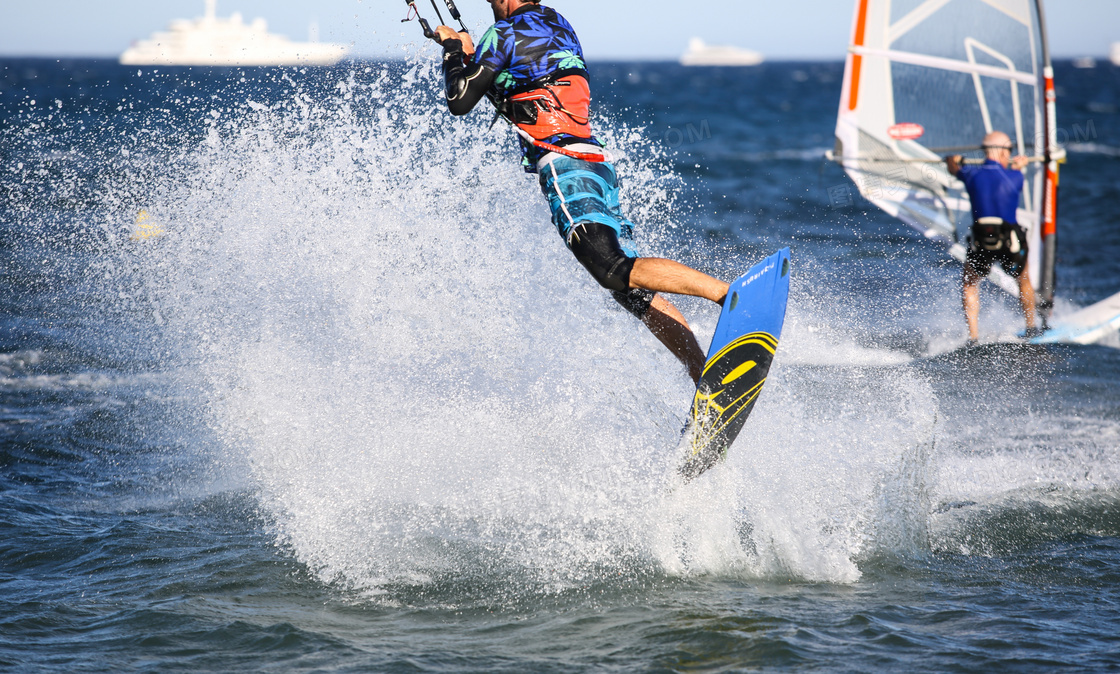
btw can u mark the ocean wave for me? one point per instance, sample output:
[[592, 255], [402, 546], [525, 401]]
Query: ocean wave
[[1025, 518], [79, 381], [1094, 148], [814, 154], [18, 361]]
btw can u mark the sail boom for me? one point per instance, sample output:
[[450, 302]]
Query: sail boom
[[940, 63]]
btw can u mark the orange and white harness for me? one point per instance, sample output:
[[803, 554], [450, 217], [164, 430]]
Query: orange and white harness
[[558, 107]]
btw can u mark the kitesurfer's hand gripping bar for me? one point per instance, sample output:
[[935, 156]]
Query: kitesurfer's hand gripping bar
[[414, 15]]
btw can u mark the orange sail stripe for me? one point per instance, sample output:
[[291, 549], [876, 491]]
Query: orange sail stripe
[[857, 60]]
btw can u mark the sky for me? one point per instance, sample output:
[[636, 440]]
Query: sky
[[609, 29]]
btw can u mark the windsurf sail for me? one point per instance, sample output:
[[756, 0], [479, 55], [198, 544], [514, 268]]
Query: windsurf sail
[[929, 78]]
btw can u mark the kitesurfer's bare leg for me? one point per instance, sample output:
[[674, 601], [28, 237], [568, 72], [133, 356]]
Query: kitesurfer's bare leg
[[971, 300], [668, 325], [1026, 298], [666, 276], [663, 319]]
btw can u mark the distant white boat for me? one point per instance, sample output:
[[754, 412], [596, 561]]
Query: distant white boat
[[212, 41], [1085, 62], [1115, 54], [701, 54]]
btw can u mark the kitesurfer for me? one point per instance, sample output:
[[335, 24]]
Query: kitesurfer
[[530, 65], [995, 189]]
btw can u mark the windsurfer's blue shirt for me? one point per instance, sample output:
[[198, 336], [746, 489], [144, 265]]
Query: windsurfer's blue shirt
[[994, 191]]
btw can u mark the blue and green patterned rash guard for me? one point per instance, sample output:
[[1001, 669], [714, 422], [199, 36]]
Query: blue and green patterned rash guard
[[534, 46]]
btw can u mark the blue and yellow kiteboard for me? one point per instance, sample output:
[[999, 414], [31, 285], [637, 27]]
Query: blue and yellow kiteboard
[[739, 359]]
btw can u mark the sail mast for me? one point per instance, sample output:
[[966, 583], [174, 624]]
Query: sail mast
[[1047, 274]]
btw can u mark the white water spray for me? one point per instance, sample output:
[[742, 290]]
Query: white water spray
[[427, 387]]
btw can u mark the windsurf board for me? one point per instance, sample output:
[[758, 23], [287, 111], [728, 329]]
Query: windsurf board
[[1087, 326]]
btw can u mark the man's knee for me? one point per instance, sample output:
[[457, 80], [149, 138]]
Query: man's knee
[[615, 276], [597, 249], [636, 300]]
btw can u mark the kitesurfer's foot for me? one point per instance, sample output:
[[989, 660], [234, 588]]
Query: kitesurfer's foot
[[1032, 332]]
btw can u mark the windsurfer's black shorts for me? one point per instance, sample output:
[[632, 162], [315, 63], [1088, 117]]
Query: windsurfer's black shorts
[[985, 248]]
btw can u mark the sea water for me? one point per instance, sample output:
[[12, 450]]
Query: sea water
[[295, 373]]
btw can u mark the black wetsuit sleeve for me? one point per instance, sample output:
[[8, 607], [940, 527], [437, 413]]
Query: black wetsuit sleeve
[[466, 82]]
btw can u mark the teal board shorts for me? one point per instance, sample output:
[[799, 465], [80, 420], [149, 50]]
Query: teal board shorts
[[583, 197]]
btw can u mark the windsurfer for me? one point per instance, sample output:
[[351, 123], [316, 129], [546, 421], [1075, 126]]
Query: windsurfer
[[530, 65], [995, 189]]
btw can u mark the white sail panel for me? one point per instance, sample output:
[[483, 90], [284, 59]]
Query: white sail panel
[[926, 78]]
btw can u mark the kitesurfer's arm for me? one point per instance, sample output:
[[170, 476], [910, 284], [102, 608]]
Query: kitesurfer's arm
[[445, 33], [466, 82]]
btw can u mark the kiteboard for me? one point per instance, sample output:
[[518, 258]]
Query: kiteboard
[[739, 359]]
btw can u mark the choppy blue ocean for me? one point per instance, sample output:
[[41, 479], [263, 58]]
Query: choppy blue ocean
[[344, 402]]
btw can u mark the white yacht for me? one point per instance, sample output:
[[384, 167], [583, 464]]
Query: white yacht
[[701, 54], [211, 40], [1115, 54]]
